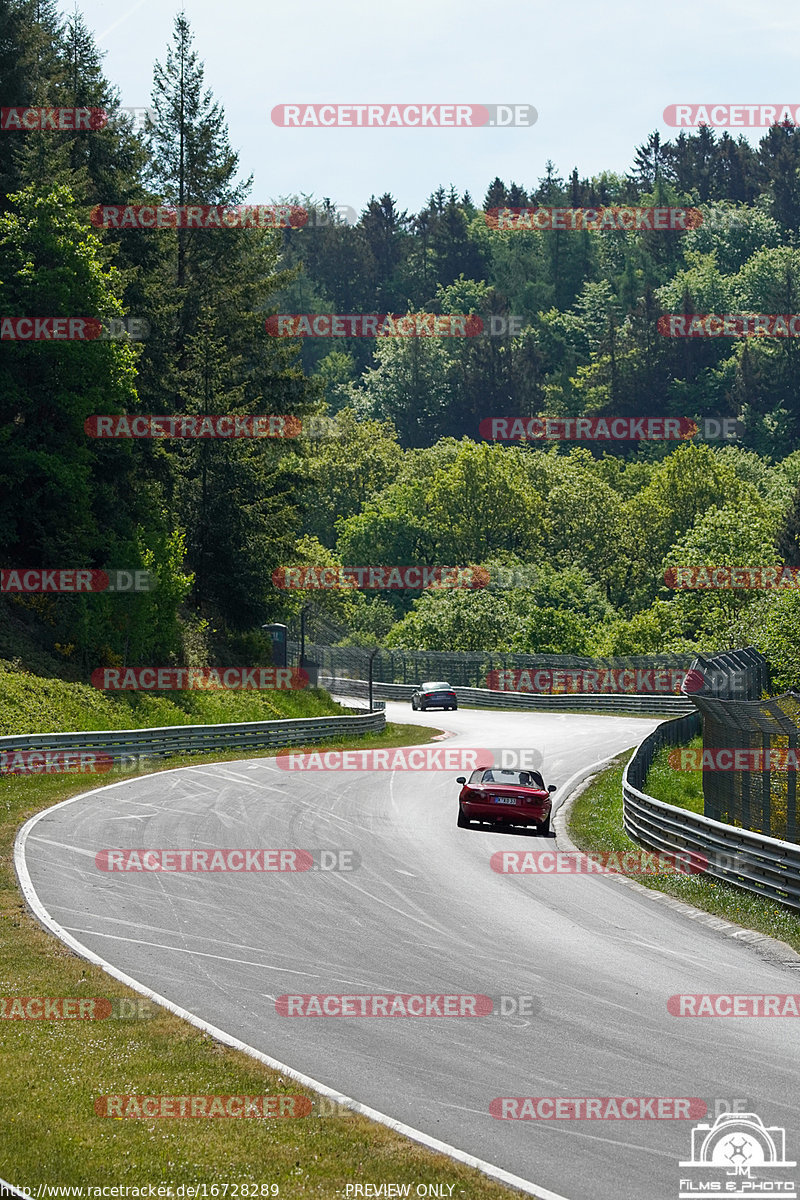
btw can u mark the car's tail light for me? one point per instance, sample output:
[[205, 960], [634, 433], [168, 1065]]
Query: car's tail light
[[471, 796]]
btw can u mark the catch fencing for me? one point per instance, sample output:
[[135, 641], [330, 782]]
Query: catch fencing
[[469, 697], [737, 714], [730, 710], [463, 668], [765, 865]]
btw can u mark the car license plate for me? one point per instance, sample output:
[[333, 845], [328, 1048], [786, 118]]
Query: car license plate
[[504, 799]]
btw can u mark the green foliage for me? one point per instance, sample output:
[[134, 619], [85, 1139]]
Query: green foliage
[[346, 469], [558, 612], [458, 620], [731, 536], [406, 479], [29, 704], [771, 623]]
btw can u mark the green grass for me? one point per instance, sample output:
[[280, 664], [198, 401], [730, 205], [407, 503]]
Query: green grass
[[595, 825], [684, 789], [31, 704], [53, 1071]]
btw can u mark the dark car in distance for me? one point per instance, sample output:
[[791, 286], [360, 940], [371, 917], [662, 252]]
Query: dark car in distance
[[433, 695], [505, 797]]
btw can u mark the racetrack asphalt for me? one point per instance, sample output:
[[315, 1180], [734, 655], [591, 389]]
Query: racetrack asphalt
[[425, 913]]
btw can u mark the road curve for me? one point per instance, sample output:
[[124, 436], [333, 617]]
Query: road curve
[[425, 913]]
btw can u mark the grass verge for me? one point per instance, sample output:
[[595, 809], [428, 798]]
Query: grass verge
[[53, 1070], [684, 789], [595, 825], [31, 704]]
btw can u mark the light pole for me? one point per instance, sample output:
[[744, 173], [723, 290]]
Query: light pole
[[306, 608], [371, 661]]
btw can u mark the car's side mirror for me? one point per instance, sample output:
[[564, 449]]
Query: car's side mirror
[[461, 779], [552, 787]]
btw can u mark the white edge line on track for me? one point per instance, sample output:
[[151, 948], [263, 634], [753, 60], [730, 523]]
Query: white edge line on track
[[775, 951], [416, 1135]]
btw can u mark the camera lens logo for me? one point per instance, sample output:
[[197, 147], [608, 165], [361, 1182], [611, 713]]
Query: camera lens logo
[[742, 1147]]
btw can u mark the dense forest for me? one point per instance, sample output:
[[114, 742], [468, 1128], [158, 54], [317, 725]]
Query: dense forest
[[400, 473]]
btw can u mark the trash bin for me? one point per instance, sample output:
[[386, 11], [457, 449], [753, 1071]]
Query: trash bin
[[277, 635]]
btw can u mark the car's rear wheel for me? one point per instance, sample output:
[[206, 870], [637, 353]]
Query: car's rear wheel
[[544, 826], [463, 821], [414, 703]]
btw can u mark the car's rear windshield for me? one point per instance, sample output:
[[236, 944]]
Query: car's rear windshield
[[514, 778], [437, 687]]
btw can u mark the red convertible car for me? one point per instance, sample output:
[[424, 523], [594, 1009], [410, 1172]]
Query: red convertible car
[[505, 798]]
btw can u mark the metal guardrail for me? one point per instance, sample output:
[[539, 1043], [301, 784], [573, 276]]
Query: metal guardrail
[[199, 739], [760, 864], [615, 702]]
